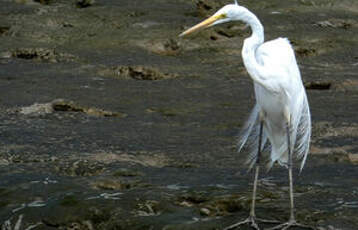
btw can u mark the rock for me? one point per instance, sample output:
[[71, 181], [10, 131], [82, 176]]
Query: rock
[[37, 109], [336, 23], [5, 54], [346, 85], [318, 85], [167, 47], [42, 54], [136, 72], [115, 184], [69, 106], [143, 73], [207, 7], [4, 30], [185, 204], [148, 208], [84, 3], [205, 212], [4, 162], [43, 2], [353, 158], [126, 173], [80, 168]]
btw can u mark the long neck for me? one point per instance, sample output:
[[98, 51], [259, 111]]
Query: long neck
[[250, 46]]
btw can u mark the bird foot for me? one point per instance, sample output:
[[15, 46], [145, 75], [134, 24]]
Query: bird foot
[[289, 224], [252, 221]]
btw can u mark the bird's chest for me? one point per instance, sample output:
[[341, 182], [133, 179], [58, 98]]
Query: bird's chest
[[271, 104]]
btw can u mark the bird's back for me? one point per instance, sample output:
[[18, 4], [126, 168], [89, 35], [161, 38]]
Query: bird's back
[[278, 51], [279, 61]]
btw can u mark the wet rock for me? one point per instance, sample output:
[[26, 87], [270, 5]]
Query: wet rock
[[185, 204], [80, 168], [116, 184], [42, 54], [223, 205], [184, 165], [143, 73], [338, 154], [136, 13], [171, 46], [37, 109], [207, 7], [44, 2], [328, 150], [144, 158], [304, 51], [318, 85], [137, 73], [148, 208], [66, 106], [84, 3], [336, 23], [69, 106], [126, 173], [61, 105], [193, 198], [4, 30], [205, 212], [353, 158], [346, 85], [167, 47], [4, 162], [213, 205], [5, 54], [74, 226], [88, 224], [16, 154]]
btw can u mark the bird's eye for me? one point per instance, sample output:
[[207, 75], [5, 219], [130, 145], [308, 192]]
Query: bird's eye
[[222, 16]]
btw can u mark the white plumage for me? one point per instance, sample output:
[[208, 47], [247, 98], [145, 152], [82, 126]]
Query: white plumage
[[285, 91], [281, 119]]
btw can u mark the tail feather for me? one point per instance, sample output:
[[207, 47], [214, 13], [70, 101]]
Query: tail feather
[[249, 135], [303, 133], [300, 137], [251, 122]]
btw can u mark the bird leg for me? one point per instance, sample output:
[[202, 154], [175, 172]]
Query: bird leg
[[292, 221], [252, 217]]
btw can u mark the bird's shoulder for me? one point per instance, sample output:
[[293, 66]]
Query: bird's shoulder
[[279, 62], [278, 58], [277, 49]]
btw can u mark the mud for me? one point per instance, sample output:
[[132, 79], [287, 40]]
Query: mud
[[109, 120]]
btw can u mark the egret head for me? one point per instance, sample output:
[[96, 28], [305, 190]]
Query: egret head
[[231, 12]]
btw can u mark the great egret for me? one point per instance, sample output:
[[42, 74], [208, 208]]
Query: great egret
[[281, 113]]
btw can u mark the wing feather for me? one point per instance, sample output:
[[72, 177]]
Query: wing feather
[[303, 138], [279, 56], [248, 137]]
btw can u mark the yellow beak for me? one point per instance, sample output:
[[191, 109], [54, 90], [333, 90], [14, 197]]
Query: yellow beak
[[203, 24]]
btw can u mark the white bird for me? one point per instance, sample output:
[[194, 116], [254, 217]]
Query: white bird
[[281, 114]]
